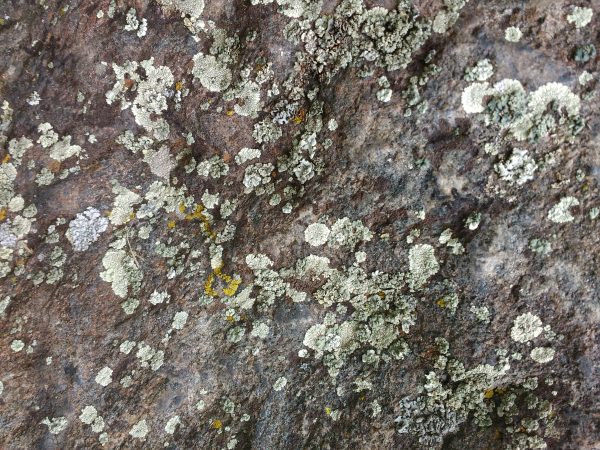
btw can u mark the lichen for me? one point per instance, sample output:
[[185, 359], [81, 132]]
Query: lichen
[[560, 213], [526, 327]]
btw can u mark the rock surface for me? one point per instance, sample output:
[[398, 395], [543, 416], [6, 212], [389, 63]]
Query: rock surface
[[299, 224]]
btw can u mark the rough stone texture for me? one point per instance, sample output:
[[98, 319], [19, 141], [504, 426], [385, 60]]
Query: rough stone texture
[[383, 167]]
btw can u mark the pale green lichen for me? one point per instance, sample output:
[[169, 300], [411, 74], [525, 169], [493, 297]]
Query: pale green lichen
[[518, 168], [422, 264], [172, 424], [480, 72], [150, 100], [123, 205], [560, 212], [56, 424], [247, 154], [122, 272], [179, 320], [526, 327], [140, 430], [316, 234], [104, 376], [348, 233], [542, 355], [280, 383], [541, 246], [212, 73], [580, 16], [513, 34]]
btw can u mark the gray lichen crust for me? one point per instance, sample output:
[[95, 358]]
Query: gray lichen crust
[[303, 224]]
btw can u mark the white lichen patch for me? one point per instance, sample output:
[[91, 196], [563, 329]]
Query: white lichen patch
[[212, 73], [157, 298], [256, 176], [104, 376], [85, 229], [482, 71], [519, 168], [191, 8], [316, 234], [89, 416], [60, 149], [133, 24], [280, 383], [140, 430], [422, 264], [172, 424], [56, 424], [348, 233], [17, 345], [560, 212], [122, 211], [247, 154], [127, 346], [542, 355], [580, 16], [214, 167], [121, 271], [179, 320], [151, 94], [161, 162], [472, 97], [513, 34], [248, 96], [526, 327], [260, 330], [149, 356]]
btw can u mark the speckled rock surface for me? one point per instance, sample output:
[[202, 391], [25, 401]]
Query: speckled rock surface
[[299, 224]]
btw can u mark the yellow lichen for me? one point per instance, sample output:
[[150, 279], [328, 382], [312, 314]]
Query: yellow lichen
[[171, 224], [217, 424], [488, 393], [229, 290]]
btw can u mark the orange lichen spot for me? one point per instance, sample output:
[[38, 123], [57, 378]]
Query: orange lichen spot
[[488, 393], [2, 214], [226, 157], [232, 287], [299, 118], [208, 289], [199, 214], [217, 424], [179, 85], [171, 224], [230, 112], [6, 158]]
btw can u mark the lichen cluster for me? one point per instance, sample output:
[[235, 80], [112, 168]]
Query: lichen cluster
[[205, 241]]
